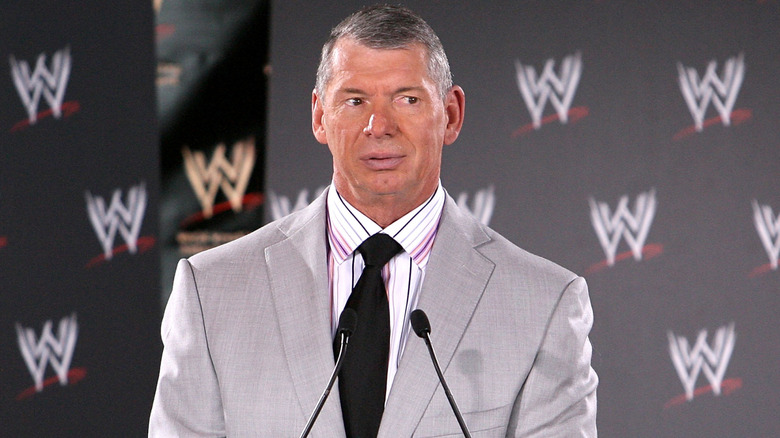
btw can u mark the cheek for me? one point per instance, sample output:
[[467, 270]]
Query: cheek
[[434, 160], [342, 143], [429, 159], [337, 134]]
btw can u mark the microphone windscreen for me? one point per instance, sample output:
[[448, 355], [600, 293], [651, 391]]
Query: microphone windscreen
[[347, 322], [420, 323]]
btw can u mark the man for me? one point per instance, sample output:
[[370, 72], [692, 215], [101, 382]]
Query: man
[[249, 327]]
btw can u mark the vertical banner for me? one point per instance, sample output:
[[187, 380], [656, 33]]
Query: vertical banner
[[636, 144], [211, 97], [79, 260]]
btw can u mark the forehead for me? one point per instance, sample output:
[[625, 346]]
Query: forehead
[[352, 60]]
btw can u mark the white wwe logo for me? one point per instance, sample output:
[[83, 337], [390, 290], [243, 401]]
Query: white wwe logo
[[282, 206], [634, 227], [768, 227], [56, 350], [698, 93], [712, 360], [558, 88], [232, 177], [124, 218], [49, 83], [481, 206]]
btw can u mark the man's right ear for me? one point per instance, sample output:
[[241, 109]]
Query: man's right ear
[[317, 115]]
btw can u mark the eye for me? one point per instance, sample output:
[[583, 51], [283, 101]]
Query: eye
[[411, 99], [354, 101]]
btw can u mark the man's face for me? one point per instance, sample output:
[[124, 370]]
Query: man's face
[[385, 124]]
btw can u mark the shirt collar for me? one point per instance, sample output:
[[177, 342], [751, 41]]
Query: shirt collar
[[415, 231]]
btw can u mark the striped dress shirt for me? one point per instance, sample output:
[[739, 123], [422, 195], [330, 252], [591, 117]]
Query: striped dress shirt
[[403, 275]]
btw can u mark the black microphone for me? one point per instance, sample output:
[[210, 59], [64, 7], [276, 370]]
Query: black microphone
[[347, 324], [422, 327]]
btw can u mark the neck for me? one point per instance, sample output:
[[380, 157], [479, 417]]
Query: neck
[[384, 209], [385, 214]]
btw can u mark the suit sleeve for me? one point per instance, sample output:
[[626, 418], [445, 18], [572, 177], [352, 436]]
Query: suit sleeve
[[558, 398], [187, 402]]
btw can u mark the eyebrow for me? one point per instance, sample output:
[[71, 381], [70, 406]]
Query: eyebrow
[[350, 90], [405, 89]]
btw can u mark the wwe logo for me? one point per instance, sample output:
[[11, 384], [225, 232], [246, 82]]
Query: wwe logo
[[698, 93], [481, 206], [281, 206], [56, 350], [711, 359], [47, 82], [634, 227], [558, 88], [232, 177], [124, 218], [768, 227]]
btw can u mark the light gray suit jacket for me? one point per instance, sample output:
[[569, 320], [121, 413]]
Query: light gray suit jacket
[[248, 347]]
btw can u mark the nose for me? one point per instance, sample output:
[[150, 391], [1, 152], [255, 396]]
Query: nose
[[380, 123]]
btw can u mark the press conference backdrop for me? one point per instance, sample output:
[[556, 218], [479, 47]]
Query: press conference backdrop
[[636, 143], [79, 183]]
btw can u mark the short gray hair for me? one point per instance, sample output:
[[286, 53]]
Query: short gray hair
[[387, 27]]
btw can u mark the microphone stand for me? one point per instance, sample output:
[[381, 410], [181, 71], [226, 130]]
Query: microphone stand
[[422, 328], [347, 325]]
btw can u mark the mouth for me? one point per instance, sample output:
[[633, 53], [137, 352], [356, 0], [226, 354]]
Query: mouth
[[382, 162]]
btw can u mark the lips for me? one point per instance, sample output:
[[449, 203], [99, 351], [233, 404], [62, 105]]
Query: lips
[[382, 161]]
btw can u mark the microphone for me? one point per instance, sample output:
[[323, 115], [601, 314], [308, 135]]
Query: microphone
[[347, 324], [422, 328]]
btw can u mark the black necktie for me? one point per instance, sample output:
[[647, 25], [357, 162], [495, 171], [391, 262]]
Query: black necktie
[[363, 377]]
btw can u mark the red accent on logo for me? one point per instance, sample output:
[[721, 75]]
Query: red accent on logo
[[574, 114], [143, 244], [250, 202], [648, 251], [737, 117], [726, 387], [67, 108], [164, 30], [74, 376], [758, 271]]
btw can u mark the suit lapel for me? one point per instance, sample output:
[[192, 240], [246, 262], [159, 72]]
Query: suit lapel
[[297, 267], [456, 277]]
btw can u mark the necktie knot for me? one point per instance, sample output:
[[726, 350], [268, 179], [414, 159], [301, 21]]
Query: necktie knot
[[378, 249]]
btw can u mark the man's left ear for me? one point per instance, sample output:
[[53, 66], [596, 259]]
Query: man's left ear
[[454, 108]]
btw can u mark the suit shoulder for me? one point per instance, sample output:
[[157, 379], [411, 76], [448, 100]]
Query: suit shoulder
[[509, 259], [251, 247], [508, 256]]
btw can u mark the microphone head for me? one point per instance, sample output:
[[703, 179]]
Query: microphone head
[[420, 323], [347, 321]]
